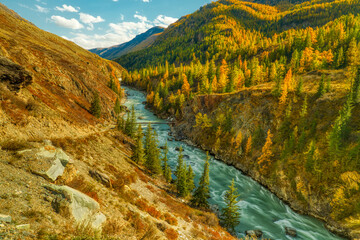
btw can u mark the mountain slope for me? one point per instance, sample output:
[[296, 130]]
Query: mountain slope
[[217, 29], [64, 81], [65, 174], [140, 42], [273, 92]]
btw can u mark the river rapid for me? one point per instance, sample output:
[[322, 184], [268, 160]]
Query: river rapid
[[260, 209]]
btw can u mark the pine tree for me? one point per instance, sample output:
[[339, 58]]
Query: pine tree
[[117, 107], [130, 123], [120, 124], [95, 108], [165, 166], [341, 128], [138, 153], [152, 158], [321, 89], [310, 155], [230, 216], [181, 175], [356, 87], [190, 180], [202, 193], [299, 87]]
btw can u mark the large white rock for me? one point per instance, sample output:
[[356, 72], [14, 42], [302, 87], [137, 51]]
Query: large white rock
[[5, 218], [57, 169], [84, 209]]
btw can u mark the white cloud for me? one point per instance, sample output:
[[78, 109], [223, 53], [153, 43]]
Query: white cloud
[[118, 32], [141, 18], [67, 8], [146, 1], [90, 20], [115, 0], [41, 9], [164, 21], [67, 23]]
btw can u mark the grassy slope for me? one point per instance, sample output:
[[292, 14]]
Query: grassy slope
[[65, 78]]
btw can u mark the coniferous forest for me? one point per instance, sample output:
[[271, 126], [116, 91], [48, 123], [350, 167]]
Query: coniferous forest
[[272, 88]]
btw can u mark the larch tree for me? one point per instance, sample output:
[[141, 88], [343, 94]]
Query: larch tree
[[223, 79], [186, 86], [265, 158]]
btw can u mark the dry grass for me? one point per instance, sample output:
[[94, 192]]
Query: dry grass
[[79, 183], [15, 145], [171, 234]]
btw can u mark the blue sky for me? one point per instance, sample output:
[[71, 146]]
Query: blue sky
[[101, 23]]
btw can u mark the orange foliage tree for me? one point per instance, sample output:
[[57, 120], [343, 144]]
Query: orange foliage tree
[[265, 158]]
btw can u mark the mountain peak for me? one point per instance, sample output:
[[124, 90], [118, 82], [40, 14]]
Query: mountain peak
[[140, 42]]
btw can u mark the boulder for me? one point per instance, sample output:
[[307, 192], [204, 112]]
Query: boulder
[[162, 147], [14, 75], [23, 227], [84, 209], [254, 233], [100, 177], [5, 218], [186, 156], [290, 232], [141, 118], [177, 149]]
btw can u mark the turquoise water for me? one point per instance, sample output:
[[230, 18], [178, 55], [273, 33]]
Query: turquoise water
[[260, 209]]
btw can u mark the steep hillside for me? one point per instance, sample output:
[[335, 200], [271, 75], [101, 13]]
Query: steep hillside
[[273, 92], [65, 170], [140, 42], [52, 93]]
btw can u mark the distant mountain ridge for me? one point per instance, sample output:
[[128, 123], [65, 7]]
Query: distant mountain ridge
[[140, 42]]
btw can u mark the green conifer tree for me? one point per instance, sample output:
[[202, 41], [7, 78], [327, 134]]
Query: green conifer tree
[[95, 108], [181, 175], [138, 152], [117, 107], [321, 89], [165, 165], [190, 180], [230, 216], [202, 192], [152, 159]]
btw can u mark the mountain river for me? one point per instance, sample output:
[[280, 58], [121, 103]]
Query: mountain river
[[260, 209]]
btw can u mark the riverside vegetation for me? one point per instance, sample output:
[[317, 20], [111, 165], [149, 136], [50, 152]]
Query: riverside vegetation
[[273, 90]]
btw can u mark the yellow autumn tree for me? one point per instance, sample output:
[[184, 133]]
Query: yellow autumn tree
[[186, 86], [265, 158], [214, 84], [223, 75], [288, 85], [248, 146]]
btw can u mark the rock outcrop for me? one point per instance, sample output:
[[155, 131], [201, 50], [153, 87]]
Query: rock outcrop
[[14, 75], [84, 209]]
